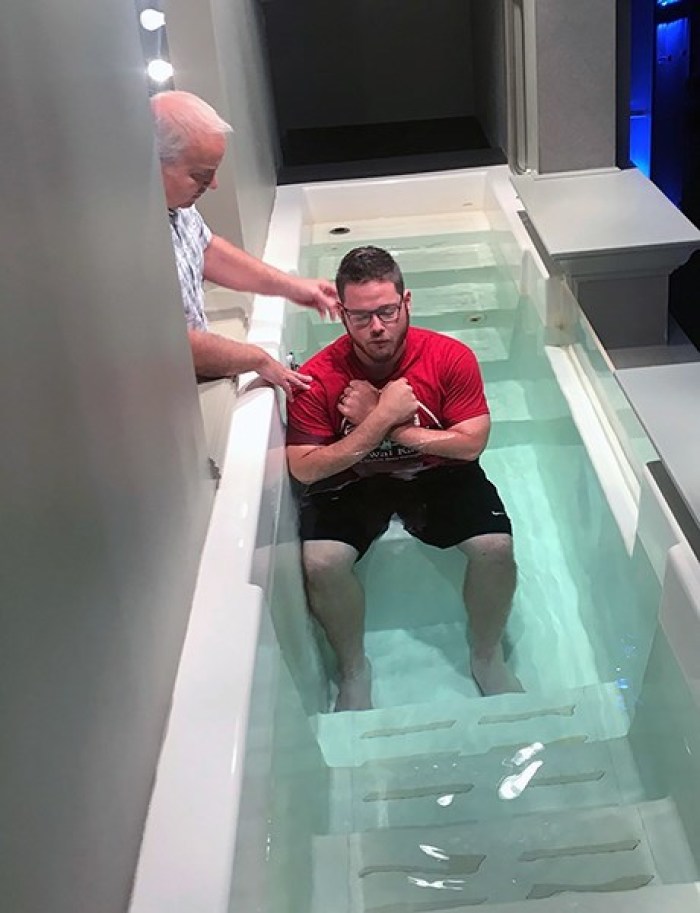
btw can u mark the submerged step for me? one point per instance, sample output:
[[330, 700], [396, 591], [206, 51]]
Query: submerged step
[[476, 319], [654, 898], [471, 726], [407, 730], [465, 295], [530, 857], [446, 253], [446, 788]]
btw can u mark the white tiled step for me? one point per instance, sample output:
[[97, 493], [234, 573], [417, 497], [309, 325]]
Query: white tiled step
[[363, 230], [528, 857], [464, 296], [471, 726], [440, 257], [445, 256], [447, 788]]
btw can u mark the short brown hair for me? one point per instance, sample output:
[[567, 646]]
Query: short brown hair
[[367, 264]]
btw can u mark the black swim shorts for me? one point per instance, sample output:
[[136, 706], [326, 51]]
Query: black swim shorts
[[442, 506]]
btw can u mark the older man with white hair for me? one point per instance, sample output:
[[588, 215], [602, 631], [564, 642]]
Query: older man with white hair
[[191, 141]]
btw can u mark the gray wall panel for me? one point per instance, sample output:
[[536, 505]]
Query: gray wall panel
[[217, 51], [103, 480], [244, 74], [575, 48], [192, 48]]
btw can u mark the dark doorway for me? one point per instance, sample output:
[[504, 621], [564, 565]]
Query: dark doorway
[[377, 87]]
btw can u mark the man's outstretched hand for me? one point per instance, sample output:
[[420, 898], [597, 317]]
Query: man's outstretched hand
[[319, 294], [291, 382]]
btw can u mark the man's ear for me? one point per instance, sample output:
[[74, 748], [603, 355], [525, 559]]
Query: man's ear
[[407, 301]]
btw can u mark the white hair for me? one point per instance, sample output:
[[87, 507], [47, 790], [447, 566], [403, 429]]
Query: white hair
[[180, 119]]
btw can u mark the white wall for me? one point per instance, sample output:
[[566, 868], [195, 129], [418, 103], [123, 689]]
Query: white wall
[[103, 479], [217, 52]]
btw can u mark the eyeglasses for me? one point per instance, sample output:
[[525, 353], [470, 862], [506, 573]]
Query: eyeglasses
[[387, 313]]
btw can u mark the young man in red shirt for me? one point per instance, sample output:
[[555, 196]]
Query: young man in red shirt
[[394, 422]]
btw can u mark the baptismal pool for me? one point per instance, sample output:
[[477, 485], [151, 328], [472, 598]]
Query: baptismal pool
[[439, 798], [584, 612]]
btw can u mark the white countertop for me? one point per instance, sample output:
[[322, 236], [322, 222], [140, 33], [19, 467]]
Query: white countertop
[[667, 400], [592, 213]]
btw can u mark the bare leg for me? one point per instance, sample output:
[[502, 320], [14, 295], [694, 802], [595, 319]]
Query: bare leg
[[337, 600], [489, 584]]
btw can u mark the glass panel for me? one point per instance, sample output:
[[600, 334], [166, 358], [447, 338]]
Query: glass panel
[[596, 366]]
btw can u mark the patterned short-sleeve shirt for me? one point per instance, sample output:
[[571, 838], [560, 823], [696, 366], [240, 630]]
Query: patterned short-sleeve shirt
[[191, 237]]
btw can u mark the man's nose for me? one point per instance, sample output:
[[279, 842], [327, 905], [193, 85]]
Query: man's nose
[[214, 183], [376, 323]]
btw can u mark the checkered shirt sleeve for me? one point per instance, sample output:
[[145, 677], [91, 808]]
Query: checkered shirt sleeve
[[191, 236]]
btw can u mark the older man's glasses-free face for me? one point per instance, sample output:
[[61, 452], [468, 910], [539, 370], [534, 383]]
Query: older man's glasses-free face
[[387, 313]]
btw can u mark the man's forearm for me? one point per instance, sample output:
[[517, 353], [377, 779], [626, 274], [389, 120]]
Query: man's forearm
[[233, 268], [217, 356], [453, 445], [327, 460]]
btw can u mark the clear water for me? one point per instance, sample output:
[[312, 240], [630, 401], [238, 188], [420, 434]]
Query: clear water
[[438, 798], [584, 612]]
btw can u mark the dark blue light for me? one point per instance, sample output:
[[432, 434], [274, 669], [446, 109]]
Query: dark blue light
[[667, 2], [640, 142], [671, 76]]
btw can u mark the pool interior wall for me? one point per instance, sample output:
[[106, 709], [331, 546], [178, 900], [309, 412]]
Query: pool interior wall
[[423, 803]]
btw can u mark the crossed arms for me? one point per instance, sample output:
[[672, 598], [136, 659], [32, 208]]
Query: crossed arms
[[377, 415]]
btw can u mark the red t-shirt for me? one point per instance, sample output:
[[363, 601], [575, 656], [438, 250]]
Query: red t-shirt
[[443, 373]]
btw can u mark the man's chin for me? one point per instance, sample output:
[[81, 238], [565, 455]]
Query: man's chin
[[380, 353]]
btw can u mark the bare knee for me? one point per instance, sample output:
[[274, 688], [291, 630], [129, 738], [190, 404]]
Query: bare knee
[[327, 562], [494, 550]]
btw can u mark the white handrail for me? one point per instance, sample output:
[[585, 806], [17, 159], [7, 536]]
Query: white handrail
[[188, 843]]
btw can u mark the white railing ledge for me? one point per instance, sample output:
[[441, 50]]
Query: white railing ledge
[[189, 838]]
